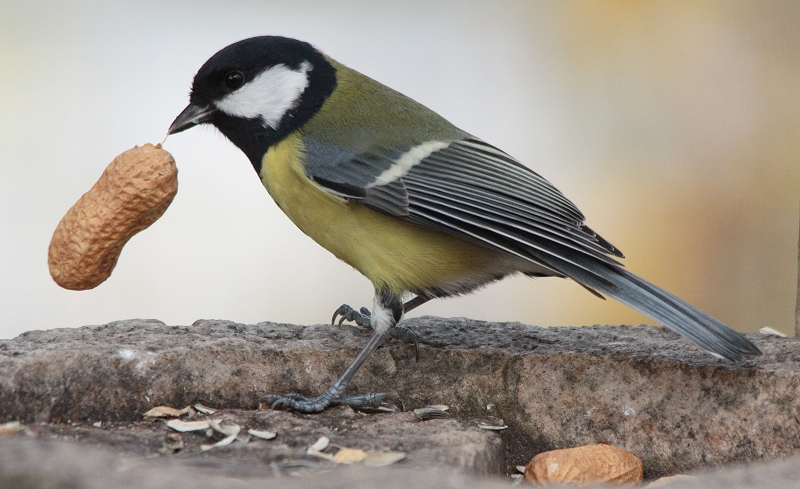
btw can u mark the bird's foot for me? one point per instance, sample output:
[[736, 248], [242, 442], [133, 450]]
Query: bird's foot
[[362, 318], [347, 313], [406, 336], [308, 405]]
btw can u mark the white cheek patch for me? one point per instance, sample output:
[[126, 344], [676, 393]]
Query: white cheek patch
[[269, 95], [408, 160]]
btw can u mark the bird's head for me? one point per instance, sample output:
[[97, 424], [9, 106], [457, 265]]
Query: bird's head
[[257, 91]]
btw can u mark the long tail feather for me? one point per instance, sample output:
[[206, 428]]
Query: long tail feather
[[672, 312]]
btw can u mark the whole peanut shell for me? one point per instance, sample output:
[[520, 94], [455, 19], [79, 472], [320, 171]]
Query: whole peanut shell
[[133, 192], [588, 464]]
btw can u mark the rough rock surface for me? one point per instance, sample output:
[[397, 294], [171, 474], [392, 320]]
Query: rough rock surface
[[442, 443], [58, 465], [641, 388], [49, 465]]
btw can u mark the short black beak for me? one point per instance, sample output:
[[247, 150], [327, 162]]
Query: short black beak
[[191, 116]]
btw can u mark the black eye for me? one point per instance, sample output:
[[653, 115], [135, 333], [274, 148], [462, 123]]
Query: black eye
[[234, 80]]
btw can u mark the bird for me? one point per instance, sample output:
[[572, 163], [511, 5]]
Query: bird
[[421, 208]]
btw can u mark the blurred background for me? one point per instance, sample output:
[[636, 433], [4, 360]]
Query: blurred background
[[674, 126]]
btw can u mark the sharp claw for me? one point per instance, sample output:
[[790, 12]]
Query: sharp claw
[[347, 313], [407, 336], [269, 399], [298, 403], [303, 404], [344, 310]]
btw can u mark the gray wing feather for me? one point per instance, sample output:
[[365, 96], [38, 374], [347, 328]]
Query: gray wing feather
[[474, 212], [470, 182], [480, 160], [352, 176], [479, 193]]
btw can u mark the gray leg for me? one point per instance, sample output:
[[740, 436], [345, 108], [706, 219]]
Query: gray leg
[[362, 318], [317, 404], [389, 310], [414, 303]]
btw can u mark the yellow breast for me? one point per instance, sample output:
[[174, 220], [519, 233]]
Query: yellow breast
[[388, 251]]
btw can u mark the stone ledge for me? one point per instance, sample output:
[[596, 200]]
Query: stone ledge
[[641, 388]]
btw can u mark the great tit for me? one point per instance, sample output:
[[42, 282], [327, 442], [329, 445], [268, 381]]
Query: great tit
[[420, 207]]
